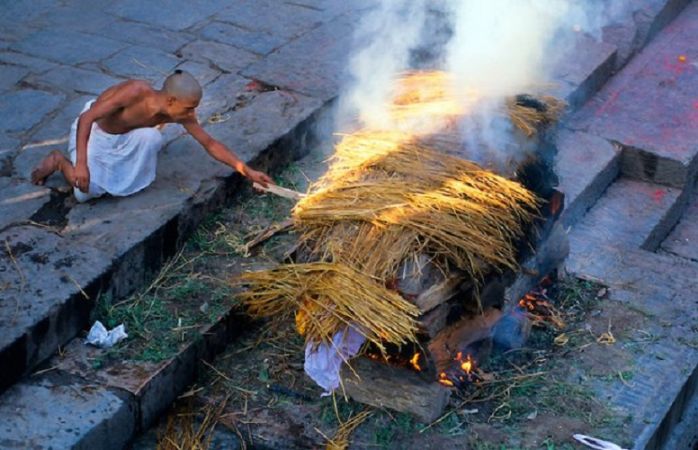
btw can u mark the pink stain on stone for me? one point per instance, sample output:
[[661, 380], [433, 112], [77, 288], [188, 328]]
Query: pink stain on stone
[[658, 196]]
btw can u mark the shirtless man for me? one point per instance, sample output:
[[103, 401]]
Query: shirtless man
[[114, 142]]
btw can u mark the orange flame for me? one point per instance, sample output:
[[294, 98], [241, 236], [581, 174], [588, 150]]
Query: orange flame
[[443, 379], [415, 362]]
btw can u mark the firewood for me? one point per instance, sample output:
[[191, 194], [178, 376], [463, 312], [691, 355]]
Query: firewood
[[402, 390], [268, 233], [459, 335]]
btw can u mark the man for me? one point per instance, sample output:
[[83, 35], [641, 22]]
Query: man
[[114, 143]]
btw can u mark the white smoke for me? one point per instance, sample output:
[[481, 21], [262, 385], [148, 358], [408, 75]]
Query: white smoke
[[384, 40], [498, 48]]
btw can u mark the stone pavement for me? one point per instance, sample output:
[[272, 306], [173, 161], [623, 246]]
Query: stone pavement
[[268, 69]]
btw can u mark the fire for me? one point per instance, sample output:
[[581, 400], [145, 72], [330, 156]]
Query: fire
[[415, 362], [443, 379], [539, 309], [465, 373]]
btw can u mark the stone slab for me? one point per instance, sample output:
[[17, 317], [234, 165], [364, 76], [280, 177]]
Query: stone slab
[[261, 121], [49, 286], [584, 67], [683, 240], [203, 72], [175, 15], [36, 65], [73, 80], [68, 47], [633, 31], [313, 64], [586, 165], [19, 201], [58, 126], [224, 56], [20, 110], [52, 413], [627, 216], [141, 62], [261, 42], [8, 149], [282, 19], [145, 35], [650, 106], [10, 76]]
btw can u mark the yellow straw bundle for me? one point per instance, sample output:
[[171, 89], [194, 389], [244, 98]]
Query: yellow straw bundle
[[328, 297]]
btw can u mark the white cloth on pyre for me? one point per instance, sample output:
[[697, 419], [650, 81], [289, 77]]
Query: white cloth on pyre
[[100, 337], [119, 164], [323, 361]]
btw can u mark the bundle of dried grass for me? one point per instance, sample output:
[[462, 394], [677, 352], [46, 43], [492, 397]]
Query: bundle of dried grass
[[328, 297], [373, 211]]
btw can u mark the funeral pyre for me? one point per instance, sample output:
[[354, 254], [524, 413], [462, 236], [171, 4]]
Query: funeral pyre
[[407, 244]]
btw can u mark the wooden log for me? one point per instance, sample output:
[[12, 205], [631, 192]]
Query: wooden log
[[434, 321], [439, 293], [402, 390], [455, 338]]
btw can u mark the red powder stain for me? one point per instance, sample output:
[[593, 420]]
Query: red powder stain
[[658, 195], [674, 66]]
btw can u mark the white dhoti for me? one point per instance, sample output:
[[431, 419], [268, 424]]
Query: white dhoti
[[119, 164]]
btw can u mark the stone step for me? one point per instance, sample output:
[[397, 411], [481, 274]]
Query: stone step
[[59, 411], [649, 108], [651, 297], [683, 240], [631, 214], [586, 166]]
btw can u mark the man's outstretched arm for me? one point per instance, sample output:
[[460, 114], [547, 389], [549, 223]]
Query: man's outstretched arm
[[221, 153]]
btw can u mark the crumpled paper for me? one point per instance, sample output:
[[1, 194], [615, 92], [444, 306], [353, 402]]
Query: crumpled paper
[[100, 337], [323, 362]]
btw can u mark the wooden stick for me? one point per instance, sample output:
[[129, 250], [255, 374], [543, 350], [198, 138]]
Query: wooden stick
[[268, 233], [280, 191]]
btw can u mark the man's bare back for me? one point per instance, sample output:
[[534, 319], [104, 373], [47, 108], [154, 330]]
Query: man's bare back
[[132, 105]]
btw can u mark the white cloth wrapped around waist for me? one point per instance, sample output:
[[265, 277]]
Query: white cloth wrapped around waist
[[119, 164]]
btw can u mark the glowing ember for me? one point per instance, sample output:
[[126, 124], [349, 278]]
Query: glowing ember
[[415, 362], [464, 373], [537, 306], [443, 379]]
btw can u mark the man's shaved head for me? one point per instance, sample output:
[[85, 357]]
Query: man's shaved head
[[182, 85]]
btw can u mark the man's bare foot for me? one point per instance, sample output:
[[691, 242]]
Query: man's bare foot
[[46, 167]]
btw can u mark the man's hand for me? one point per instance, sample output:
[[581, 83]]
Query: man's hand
[[258, 177], [82, 177]]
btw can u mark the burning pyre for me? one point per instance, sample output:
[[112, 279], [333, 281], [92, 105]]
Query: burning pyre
[[389, 195]]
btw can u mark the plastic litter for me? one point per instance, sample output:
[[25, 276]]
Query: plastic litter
[[595, 443], [100, 337], [322, 363]]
